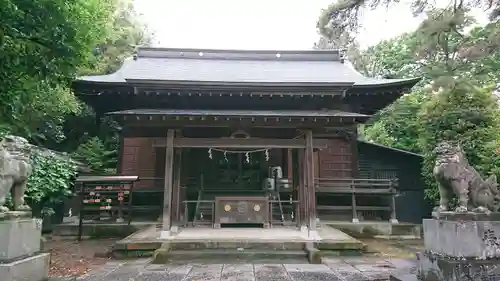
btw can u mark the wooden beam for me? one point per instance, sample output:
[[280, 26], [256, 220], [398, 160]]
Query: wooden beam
[[244, 122], [167, 193], [240, 143]]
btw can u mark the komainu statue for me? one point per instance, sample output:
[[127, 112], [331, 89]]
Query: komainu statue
[[454, 175], [15, 167]]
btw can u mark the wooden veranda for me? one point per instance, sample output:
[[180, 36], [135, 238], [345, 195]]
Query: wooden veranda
[[174, 214]]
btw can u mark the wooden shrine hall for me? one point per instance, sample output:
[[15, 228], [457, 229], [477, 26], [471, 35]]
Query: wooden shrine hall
[[246, 138]]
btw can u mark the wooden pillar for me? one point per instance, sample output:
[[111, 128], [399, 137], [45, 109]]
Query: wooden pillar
[[305, 190], [394, 217], [289, 164], [309, 176], [301, 214], [176, 187], [353, 139], [289, 173], [167, 192]]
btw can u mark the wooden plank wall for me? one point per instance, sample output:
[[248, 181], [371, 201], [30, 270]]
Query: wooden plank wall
[[335, 161], [139, 159]]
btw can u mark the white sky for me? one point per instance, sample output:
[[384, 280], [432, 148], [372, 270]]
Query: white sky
[[258, 24]]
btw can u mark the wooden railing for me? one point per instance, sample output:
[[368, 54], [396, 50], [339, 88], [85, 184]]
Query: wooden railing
[[358, 187]]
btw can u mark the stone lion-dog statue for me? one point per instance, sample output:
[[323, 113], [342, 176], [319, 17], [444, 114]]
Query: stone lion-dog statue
[[15, 168], [454, 175]]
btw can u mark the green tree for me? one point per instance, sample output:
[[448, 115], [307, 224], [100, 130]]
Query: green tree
[[127, 32], [80, 129], [464, 114], [455, 101], [43, 44], [341, 18], [96, 156]]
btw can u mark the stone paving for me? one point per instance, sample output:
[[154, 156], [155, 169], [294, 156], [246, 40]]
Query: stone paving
[[333, 269]]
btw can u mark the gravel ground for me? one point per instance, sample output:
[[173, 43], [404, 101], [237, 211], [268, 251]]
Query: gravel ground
[[73, 258], [403, 249]]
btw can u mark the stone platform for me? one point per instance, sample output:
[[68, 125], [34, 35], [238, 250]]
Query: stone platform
[[96, 229], [274, 242], [21, 258], [378, 229], [459, 246], [333, 269]]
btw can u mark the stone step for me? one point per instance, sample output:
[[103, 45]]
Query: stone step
[[403, 277], [163, 255], [236, 244]]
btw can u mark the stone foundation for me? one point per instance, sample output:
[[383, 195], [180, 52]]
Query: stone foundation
[[458, 247], [437, 268], [34, 268], [18, 238], [456, 238], [20, 250]]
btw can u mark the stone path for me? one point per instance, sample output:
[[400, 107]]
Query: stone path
[[349, 269]]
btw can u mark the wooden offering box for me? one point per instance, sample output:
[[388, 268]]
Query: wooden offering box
[[241, 210]]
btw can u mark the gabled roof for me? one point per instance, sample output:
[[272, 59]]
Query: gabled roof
[[226, 67], [390, 148]]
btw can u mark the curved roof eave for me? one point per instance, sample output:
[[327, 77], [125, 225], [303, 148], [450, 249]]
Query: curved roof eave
[[378, 83], [113, 79]]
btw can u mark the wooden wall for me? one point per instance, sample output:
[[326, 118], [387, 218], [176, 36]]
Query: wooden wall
[[335, 161], [139, 159]]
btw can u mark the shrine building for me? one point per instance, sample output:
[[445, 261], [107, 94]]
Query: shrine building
[[227, 138]]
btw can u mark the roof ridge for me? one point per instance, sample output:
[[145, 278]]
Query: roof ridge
[[227, 54]]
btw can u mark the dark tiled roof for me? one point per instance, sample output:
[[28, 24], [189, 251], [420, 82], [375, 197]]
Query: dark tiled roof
[[243, 113], [240, 67], [390, 148], [116, 178]]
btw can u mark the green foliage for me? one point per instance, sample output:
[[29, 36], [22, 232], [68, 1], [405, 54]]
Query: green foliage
[[42, 46], [127, 32], [50, 180], [464, 114], [460, 66], [398, 125], [94, 154], [342, 18]]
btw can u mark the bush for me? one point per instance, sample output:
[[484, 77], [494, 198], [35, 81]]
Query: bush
[[97, 156], [50, 181]]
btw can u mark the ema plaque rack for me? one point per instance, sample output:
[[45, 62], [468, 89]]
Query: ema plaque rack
[[105, 199]]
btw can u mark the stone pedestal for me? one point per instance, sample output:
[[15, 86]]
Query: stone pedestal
[[460, 247], [21, 258]]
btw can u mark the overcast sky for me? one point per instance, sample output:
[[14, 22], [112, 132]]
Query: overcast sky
[[258, 24]]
